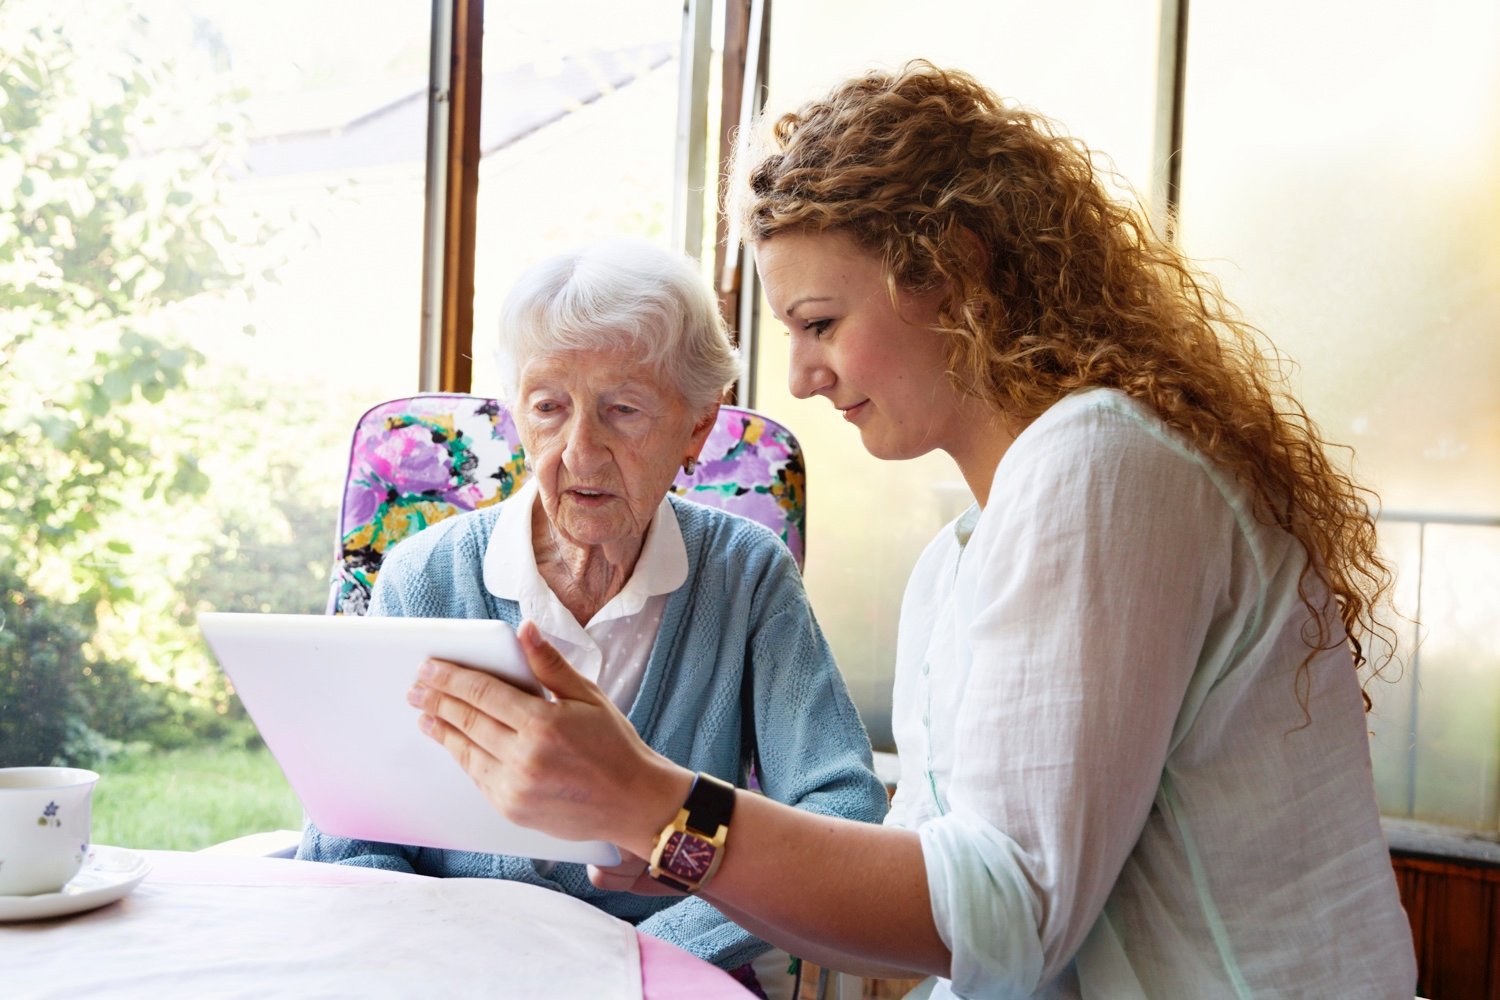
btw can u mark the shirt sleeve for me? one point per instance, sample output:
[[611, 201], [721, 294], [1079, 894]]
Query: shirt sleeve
[[1096, 576]]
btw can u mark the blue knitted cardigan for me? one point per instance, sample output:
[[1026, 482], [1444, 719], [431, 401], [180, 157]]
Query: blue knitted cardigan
[[741, 608]]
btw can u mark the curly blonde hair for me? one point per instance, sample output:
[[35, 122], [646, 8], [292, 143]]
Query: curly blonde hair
[[1050, 285]]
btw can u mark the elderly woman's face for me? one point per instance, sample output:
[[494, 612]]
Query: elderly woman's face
[[605, 436]]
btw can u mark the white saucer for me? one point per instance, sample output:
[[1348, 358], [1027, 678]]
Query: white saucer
[[108, 874]]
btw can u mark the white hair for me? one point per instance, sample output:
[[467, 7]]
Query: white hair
[[620, 294]]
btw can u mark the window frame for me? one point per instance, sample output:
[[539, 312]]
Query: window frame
[[455, 92]]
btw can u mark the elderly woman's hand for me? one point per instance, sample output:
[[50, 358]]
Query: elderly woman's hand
[[573, 766], [629, 876]]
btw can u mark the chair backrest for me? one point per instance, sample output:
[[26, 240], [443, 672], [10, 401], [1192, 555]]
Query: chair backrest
[[417, 460]]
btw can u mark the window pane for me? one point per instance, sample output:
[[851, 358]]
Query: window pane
[[868, 520], [577, 142], [1457, 680], [1434, 727], [1341, 176], [210, 264]]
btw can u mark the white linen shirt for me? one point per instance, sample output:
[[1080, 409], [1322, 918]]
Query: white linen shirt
[[613, 648], [1117, 792]]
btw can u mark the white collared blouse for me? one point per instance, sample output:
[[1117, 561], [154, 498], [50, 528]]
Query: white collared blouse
[[613, 648]]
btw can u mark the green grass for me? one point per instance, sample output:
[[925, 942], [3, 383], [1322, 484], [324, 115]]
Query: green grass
[[191, 798]]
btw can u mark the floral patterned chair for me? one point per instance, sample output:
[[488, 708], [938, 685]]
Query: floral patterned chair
[[417, 460]]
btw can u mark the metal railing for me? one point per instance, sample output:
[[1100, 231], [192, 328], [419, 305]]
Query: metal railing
[[1423, 520]]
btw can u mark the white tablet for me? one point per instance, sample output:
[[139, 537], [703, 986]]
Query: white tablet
[[328, 694]]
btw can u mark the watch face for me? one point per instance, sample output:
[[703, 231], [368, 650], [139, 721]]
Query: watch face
[[687, 856]]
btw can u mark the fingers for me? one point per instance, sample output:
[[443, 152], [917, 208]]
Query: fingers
[[569, 765], [629, 865], [622, 875], [552, 670], [489, 695], [630, 875], [467, 701], [476, 760]]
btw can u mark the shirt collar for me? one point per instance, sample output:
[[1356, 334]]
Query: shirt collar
[[510, 569]]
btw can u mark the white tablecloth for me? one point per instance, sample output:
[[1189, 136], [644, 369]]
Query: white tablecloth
[[206, 927]]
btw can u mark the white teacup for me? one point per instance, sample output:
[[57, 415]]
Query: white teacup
[[45, 815]]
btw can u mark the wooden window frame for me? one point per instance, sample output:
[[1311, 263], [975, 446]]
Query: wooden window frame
[[454, 94], [456, 74]]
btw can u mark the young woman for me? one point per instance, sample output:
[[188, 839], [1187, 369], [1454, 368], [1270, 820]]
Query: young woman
[[1133, 745]]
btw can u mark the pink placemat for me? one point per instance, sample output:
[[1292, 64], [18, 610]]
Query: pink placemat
[[669, 973]]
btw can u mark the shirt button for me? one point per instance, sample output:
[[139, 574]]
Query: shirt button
[[926, 668]]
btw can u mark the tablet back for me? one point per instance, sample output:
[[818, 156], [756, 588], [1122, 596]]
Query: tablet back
[[328, 694]]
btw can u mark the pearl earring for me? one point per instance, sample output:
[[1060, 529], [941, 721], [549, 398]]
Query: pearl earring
[[689, 464]]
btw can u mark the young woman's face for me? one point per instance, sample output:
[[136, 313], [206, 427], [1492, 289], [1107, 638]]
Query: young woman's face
[[882, 366]]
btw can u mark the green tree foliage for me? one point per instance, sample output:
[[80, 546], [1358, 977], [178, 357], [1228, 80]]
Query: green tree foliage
[[98, 235], [53, 686], [114, 151], [41, 659], [62, 703]]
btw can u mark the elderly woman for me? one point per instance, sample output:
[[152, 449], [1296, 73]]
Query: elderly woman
[[692, 620]]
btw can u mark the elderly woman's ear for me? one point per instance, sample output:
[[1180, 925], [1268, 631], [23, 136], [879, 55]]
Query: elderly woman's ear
[[701, 430]]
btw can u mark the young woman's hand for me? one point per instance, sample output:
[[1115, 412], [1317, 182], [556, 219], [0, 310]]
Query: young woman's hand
[[572, 766]]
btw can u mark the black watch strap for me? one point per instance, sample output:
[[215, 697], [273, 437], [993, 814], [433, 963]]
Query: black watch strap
[[709, 804]]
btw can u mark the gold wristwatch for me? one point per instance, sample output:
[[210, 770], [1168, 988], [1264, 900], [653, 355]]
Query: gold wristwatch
[[691, 847]]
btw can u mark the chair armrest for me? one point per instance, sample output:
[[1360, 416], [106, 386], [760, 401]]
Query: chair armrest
[[267, 844]]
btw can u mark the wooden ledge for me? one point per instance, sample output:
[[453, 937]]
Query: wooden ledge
[[1409, 836]]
